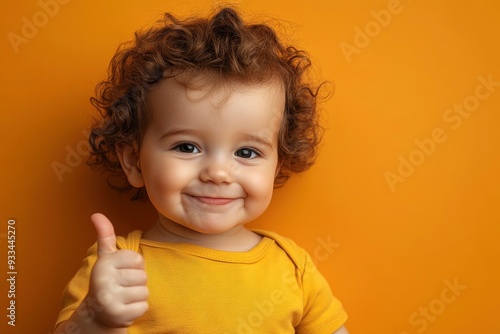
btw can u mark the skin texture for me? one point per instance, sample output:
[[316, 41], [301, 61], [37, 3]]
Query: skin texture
[[208, 161]]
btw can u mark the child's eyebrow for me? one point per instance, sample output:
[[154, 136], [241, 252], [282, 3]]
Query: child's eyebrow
[[242, 137], [261, 140], [174, 132]]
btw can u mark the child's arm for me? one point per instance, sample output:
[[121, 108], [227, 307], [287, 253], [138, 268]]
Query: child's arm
[[117, 291]]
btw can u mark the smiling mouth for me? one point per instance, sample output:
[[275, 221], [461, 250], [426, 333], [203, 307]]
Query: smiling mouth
[[214, 200]]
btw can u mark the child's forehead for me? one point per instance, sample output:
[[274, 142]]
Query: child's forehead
[[236, 107], [218, 89]]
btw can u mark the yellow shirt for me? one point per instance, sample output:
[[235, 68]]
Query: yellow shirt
[[274, 288]]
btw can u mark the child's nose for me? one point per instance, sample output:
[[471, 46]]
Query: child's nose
[[218, 170]]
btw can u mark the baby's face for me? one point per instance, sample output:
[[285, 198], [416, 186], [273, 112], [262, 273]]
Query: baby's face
[[209, 161]]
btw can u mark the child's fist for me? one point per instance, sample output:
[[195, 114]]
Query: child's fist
[[118, 279]]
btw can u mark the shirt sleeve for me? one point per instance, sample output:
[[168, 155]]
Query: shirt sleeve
[[78, 287], [323, 313]]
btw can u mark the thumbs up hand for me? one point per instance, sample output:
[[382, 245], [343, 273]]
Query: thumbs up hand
[[118, 279]]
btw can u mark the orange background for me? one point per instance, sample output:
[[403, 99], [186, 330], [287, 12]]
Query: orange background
[[389, 252]]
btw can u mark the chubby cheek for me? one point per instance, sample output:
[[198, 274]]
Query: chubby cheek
[[259, 189], [166, 179]]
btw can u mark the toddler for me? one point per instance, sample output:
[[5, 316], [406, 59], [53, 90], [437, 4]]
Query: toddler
[[204, 118]]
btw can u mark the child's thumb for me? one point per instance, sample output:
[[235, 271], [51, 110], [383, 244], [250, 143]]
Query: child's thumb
[[106, 238]]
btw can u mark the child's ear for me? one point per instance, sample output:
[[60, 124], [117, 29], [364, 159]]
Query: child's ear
[[131, 165]]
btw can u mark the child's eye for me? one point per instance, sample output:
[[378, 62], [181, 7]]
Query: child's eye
[[247, 153], [187, 148]]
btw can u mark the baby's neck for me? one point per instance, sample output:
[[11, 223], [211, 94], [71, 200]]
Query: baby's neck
[[239, 239]]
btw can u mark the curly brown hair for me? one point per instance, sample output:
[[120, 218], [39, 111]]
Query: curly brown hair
[[223, 46]]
